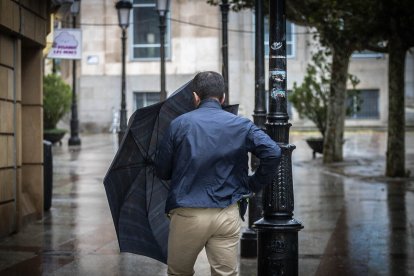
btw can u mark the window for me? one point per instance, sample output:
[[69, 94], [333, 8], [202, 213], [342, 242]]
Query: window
[[146, 31], [367, 54], [143, 99], [290, 38], [368, 105]]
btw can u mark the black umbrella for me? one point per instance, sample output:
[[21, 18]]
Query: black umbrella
[[136, 196]]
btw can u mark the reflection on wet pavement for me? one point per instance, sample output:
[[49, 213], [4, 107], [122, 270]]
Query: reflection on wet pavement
[[357, 222]]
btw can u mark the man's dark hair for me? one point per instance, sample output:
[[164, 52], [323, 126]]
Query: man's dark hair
[[209, 84]]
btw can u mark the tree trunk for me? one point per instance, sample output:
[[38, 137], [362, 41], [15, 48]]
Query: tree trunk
[[334, 134], [396, 109]]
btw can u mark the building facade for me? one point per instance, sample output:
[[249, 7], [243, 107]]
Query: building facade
[[24, 25], [193, 44]]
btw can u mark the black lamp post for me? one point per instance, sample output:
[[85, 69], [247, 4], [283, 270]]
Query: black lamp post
[[248, 242], [162, 9], [224, 7], [124, 7], [277, 236], [74, 139]]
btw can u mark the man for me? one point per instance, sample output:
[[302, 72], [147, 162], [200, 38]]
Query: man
[[205, 154]]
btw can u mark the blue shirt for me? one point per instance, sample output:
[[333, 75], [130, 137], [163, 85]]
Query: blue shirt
[[205, 155]]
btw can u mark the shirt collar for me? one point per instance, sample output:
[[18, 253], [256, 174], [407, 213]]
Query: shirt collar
[[210, 103]]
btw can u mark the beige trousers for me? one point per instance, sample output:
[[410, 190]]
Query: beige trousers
[[192, 229]]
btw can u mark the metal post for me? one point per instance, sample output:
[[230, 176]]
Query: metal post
[[163, 94], [123, 111], [224, 7], [54, 66], [248, 242], [74, 139], [278, 230]]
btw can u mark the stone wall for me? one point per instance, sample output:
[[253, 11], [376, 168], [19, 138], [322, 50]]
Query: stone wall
[[23, 29]]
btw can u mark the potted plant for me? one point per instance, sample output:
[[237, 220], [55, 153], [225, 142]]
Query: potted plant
[[310, 99], [56, 103]]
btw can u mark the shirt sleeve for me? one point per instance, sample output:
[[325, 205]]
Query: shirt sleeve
[[269, 153], [164, 158]]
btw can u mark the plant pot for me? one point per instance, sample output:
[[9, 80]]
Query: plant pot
[[316, 144], [54, 135]]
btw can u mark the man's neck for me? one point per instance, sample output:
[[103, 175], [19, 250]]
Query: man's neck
[[211, 98]]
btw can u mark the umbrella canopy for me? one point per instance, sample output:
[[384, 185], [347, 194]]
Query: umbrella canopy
[[136, 196]]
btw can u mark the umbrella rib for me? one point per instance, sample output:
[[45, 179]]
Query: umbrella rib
[[152, 189], [142, 147], [138, 165], [147, 156], [156, 139], [165, 184], [153, 172]]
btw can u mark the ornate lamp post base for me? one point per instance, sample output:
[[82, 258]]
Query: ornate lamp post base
[[74, 141], [248, 244], [278, 246]]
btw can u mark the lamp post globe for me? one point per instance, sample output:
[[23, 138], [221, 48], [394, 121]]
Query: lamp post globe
[[162, 9], [74, 139], [124, 8], [75, 8]]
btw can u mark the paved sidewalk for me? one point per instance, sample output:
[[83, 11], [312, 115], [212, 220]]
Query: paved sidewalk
[[357, 222]]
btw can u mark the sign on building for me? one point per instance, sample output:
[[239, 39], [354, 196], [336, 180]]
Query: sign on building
[[67, 44]]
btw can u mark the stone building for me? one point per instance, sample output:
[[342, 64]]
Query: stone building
[[193, 44], [24, 25]]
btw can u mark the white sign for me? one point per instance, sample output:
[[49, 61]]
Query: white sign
[[67, 44]]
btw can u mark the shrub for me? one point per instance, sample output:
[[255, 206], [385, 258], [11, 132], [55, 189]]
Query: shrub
[[56, 100], [310, 99]]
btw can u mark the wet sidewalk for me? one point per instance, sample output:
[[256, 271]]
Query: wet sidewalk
[[357, 222]]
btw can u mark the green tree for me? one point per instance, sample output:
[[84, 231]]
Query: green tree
[[343, 27], [339, 28], [310, 98], [238, 5], [346, 26]]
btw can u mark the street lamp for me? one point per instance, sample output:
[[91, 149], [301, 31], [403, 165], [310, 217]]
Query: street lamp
[[248, 241], [124, 7], [74, 139], [162, 9], [277, 231], [224, 7]]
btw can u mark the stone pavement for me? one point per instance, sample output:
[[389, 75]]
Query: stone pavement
[[356, 221]]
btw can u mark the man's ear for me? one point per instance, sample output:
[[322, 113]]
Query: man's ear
[[222, 99], [197, 99]]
